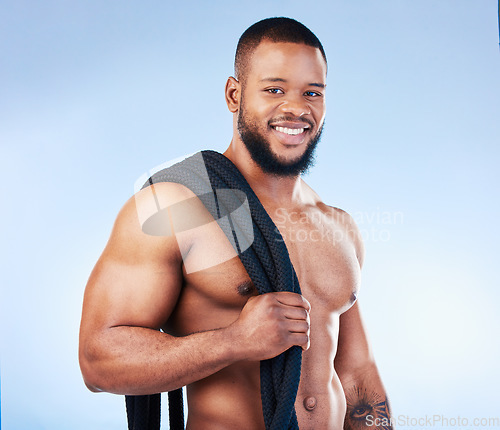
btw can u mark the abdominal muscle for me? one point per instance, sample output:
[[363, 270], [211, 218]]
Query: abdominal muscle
[[320, 402], [231, 399]]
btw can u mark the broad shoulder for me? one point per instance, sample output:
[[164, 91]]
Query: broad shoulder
[[144, 222], [156, 201]]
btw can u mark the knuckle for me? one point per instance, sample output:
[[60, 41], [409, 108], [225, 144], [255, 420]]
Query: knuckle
[[270, 297], [306, 302], [275, 310]]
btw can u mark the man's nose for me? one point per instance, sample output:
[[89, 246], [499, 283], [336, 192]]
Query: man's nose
[[295, 105]]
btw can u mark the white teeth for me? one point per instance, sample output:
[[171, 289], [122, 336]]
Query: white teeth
[[290, 131]]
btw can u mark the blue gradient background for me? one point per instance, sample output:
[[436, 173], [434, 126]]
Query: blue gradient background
[[93, 94]]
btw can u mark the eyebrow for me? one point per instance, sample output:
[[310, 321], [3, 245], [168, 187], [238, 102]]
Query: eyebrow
[[311, 84]]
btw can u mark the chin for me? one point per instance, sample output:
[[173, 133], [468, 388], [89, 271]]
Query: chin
[[290, 156]]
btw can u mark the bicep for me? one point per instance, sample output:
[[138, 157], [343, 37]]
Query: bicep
[[130, 295]]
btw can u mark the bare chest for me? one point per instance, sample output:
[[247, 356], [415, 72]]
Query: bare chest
[[320, 250], [323, 255]]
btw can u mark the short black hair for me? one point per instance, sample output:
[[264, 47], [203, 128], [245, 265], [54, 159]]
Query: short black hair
[[279, 29]]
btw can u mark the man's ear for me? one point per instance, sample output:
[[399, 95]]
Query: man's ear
[[233, 94]]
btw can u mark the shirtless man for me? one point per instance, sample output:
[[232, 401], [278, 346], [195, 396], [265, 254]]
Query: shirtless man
[[215, 327]]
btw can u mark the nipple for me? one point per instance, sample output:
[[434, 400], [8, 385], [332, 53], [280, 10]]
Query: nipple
[[310, 403], [246, 288]]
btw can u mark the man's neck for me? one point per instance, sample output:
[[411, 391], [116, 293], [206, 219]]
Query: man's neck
[[281, 190]]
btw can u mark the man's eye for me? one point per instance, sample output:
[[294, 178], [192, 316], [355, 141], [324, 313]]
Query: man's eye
[[312, 94], [274, 91]]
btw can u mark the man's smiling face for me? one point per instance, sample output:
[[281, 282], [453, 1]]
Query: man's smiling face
[[282, 107]]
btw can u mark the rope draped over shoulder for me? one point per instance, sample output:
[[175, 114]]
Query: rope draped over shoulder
[[268, 264]]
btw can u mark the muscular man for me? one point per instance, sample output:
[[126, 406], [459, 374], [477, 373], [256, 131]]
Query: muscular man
[[215, 327]]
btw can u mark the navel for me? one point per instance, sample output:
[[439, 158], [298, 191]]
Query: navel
[[310, 403]]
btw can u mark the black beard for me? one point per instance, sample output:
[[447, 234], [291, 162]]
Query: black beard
[[261, 153]]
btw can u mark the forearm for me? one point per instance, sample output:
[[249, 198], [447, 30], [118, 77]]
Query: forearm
[[136, 360], [367, 401]]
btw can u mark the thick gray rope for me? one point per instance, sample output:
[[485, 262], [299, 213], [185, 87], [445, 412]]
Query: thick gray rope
[[270, 269]]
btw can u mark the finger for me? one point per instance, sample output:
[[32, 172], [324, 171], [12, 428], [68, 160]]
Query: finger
[[297, 326], [295, 313], [292, 299], [300, 339]]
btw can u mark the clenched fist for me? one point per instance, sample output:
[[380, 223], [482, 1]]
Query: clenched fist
[[270, 324]]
